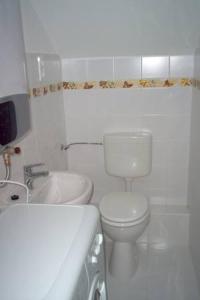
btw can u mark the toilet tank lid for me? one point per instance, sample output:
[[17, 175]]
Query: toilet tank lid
[[123, 206]]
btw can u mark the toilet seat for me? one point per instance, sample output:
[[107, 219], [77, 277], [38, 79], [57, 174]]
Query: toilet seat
[[124, 208], [127, 224]]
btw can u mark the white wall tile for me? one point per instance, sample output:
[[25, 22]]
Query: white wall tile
[[43, 69], [78, 129], [181, 66], [155, 67], [74, 69], [127, 67], [94, 103], [168, 226], [167, 127], [88, 69], [166, 112], [178, 153], [177, 178], [194, 173], [33, 70], [52, 68], [119, 68], [156, 178], [100, 69], [49, 127], [160, 149], [91, 113], [197, 64], [90, 161]]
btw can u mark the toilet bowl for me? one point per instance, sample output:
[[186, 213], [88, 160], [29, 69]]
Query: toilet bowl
[[124, 217]]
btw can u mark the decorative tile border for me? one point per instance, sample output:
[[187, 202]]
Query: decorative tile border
[[44, 90], [143, 83], [108, 84]]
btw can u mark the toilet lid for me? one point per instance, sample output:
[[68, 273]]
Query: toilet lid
[[123, 206]]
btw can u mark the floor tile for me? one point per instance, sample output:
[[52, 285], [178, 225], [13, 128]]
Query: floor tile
[[165, 274]]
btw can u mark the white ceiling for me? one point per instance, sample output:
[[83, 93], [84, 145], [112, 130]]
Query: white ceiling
[[77, 28]]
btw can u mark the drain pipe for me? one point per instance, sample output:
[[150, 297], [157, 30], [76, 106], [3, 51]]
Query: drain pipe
[[6, 153]]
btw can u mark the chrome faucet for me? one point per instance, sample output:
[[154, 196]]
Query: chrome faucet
[[29, 175]]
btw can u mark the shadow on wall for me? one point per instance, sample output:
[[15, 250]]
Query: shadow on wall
[[36, 37]]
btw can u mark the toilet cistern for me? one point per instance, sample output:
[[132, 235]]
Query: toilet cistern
[[128, 155]]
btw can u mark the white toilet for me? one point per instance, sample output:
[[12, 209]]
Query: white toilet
[[125, 215]]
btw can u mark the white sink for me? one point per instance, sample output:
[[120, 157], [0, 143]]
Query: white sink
[[62, 188]]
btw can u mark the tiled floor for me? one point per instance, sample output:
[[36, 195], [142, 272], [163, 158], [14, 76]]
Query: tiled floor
[[163, 274]]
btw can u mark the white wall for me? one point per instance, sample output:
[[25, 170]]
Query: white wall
[[48, 122], [194, 172], [12, 57], [47, 111], [113, 28], [36, 38], [164, 111], [42, 143]]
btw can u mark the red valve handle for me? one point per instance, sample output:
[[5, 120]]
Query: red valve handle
[[17, 150]]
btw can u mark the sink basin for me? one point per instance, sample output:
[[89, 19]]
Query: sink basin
[[62, 188]]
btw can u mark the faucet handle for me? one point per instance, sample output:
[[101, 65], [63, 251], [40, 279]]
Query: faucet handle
[[28, 168]]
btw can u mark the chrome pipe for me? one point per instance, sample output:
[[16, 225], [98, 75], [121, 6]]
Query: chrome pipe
[[66, 147]]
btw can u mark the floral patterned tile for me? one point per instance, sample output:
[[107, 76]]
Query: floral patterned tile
[[108, 84], [143, 83], [44, 90]]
